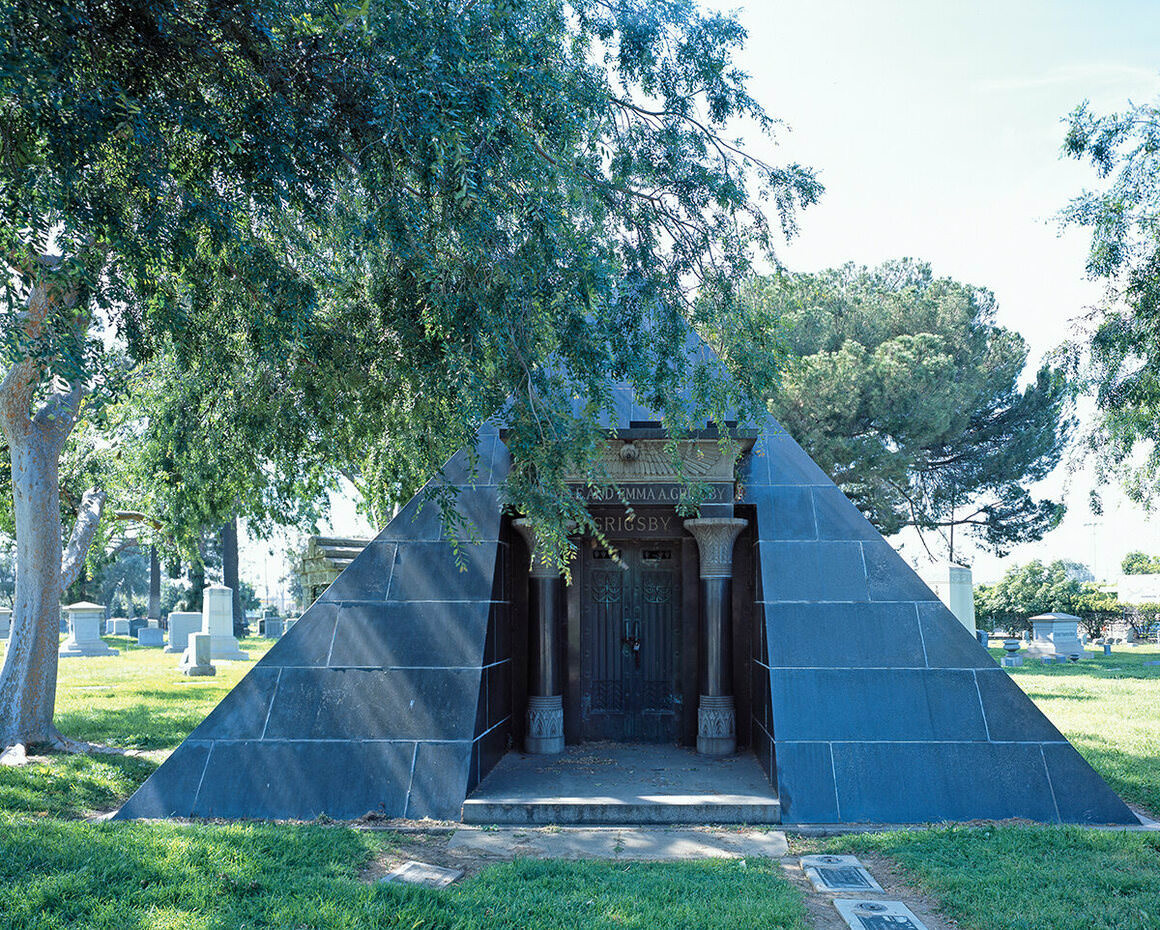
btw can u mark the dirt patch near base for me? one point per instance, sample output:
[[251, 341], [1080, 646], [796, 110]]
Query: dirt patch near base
[[820, 905], [426, 847]]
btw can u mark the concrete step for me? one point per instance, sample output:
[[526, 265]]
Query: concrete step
[[672, 809]]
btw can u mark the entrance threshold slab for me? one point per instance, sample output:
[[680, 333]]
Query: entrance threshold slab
[[619, 783]]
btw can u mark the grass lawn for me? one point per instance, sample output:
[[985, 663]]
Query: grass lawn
[[56, 870]]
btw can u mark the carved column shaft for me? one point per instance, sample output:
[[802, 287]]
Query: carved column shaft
[[716, 716], [545, 720]]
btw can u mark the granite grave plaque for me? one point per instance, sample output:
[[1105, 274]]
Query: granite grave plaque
[[877, 915], [838, 873]]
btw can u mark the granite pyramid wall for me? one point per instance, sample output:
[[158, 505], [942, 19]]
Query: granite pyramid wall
[[391, 694], [880, 706]]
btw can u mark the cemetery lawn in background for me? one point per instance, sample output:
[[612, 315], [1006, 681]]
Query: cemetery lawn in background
[[1109, 707]]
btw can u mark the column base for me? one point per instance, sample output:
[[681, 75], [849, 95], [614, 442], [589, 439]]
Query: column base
[[716, 726], [545, 726]]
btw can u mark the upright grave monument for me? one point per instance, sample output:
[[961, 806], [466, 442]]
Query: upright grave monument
[[778, 623], [84, 632]]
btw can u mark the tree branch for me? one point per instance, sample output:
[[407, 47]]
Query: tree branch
[[88, 517]]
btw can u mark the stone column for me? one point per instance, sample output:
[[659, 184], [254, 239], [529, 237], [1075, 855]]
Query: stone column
[[545, 733], [716, 716]]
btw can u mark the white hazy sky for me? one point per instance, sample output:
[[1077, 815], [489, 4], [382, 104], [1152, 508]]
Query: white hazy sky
[[936, 128]]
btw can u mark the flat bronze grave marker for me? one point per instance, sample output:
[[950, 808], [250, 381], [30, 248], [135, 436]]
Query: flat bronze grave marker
[[838, 873], [877, 915]]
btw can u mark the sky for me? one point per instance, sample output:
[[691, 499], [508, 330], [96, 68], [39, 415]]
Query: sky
[[936, 129]]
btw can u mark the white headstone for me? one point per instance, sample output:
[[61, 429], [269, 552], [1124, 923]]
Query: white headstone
[[217, 619], [181, 624], [84, 636], [273, 629], [5, 622], [951, 584], [118, 626], [196, 659], [1055, 634]]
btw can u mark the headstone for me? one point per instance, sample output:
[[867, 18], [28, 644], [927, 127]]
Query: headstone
[[181, 624], [951, 584], [1012, 659], [151, 635], [117, 626], [1055, 634], [1107, 649], [136, 625], [217, 619], [421, 873], [273, 629], [5, 622], [289, 622], [196, 659], [983, 637], [84, 638], [877, 915], [838, 873]]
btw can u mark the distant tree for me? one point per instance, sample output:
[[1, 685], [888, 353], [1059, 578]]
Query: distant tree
[[1096, 609], [1117, 355], [907, 392], [1025, 591], [1140, 563]]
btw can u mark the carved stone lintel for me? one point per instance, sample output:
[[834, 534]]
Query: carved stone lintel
[[715, 538], [716, 726], [539, 568], [545, 725]]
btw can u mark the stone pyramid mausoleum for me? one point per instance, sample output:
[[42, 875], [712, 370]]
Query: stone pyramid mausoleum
[[860, 694]]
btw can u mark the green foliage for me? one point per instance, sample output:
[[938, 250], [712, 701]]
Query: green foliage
[[1119, 358], [1140, 563], [1142, 618], [906, 391], [1025, 591]]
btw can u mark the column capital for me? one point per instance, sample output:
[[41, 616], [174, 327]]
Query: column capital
[[715, 537]]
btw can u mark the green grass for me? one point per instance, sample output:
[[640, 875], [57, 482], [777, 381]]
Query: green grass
[[1030, 878], [1109, 707], [136, 700], [56, 874]]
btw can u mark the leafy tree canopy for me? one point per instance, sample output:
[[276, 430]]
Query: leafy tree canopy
[[1140, 563], [907, 392], [1117, 357], [1026, 591]]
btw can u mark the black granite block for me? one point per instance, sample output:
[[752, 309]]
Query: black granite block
[[439, 783], [933, 782], [948, 644], [836, 635], [433, 571], [499, 693], [424, 633], [1080, 794], [890, 578], [170, 791], [241, 714], [785, 513], [366, 578], [762, 747], [838, 518], [752, 472], [292, 780], [1011, 714], [876, 704], [351, 703], [309, 639], [788, 464], [481, 706], [499, 633], [812, 571], [497, 459], [473, 768], [805, 782], [493, 746]]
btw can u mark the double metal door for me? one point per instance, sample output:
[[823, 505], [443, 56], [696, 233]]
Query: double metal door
[[629, 643]]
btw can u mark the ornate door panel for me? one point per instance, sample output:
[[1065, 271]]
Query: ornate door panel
[[629, 669]]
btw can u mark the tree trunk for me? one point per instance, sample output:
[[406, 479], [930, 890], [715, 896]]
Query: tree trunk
[[28, 680], [154, 584], [230, 572]]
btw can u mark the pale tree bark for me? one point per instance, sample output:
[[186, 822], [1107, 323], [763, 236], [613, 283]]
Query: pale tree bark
[[35, 441]]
